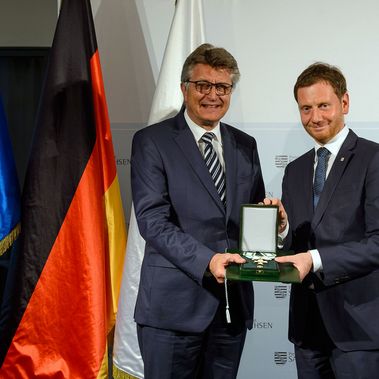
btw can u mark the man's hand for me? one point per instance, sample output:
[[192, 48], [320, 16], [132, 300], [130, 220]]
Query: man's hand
[[302, 261], [283, 219], [218, 263]]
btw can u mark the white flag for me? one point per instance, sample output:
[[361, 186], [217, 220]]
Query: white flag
[[186, 33]]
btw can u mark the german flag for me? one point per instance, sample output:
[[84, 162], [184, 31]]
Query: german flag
[[73, 233]]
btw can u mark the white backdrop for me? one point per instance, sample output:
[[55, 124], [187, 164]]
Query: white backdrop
[[273, 41]]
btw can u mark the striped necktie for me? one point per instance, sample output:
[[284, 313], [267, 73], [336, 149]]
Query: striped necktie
[[320, 174], [214, 165]]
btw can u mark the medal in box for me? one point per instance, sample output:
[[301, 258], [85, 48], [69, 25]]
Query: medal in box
[[258, 245]]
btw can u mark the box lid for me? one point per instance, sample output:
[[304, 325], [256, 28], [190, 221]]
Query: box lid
[[259, 225]]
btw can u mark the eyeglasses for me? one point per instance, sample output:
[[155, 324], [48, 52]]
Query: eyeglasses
[[205, 87]]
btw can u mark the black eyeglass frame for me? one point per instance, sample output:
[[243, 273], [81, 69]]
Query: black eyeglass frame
[[226, 87]]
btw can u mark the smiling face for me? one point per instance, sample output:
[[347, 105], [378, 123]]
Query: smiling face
[[321, 111], [206, 110]]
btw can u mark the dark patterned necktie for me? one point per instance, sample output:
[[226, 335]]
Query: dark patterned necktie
[[320, 175], [214, 165]]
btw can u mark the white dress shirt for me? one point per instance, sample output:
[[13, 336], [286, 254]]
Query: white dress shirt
[[198, 132], [334, 146]]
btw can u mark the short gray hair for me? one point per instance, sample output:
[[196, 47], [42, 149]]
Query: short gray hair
[[216, 57]]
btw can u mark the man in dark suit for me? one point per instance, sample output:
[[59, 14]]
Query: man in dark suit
[[331, 196], [188, 218]]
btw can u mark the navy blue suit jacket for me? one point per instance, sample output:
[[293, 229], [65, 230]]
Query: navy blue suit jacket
[[184, 223], [345, 229]]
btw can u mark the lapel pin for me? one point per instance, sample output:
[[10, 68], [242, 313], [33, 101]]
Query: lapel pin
[[342, 159]]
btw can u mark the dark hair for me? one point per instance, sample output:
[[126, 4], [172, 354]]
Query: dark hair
[[322, 72], [216, 57]]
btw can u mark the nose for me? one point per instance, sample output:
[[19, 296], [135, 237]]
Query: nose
[[212, 94], [316, 116]]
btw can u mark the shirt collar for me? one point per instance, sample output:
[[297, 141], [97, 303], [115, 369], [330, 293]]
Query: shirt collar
[[336, 142], [198, 131]]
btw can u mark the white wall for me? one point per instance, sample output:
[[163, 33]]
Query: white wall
[[272, 41]]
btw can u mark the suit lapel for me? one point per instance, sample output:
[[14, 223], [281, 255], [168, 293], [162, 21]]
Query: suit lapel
[[184, 138], [230, 157], [306, 182], [339, 166]]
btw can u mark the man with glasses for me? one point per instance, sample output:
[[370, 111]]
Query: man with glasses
[[190, 175]]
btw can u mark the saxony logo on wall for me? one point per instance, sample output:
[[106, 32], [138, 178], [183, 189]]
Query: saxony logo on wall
[[122, 161], [281, 161], [281, 291], [283, 357], [262, 324]]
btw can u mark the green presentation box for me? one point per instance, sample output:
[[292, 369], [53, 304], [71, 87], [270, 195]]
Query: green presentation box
[[258, 245]]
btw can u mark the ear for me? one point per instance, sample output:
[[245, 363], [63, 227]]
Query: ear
[[345, 103], [183, 87]]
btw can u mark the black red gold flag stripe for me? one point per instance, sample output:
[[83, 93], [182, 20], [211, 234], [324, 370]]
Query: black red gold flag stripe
[[73, 233]]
